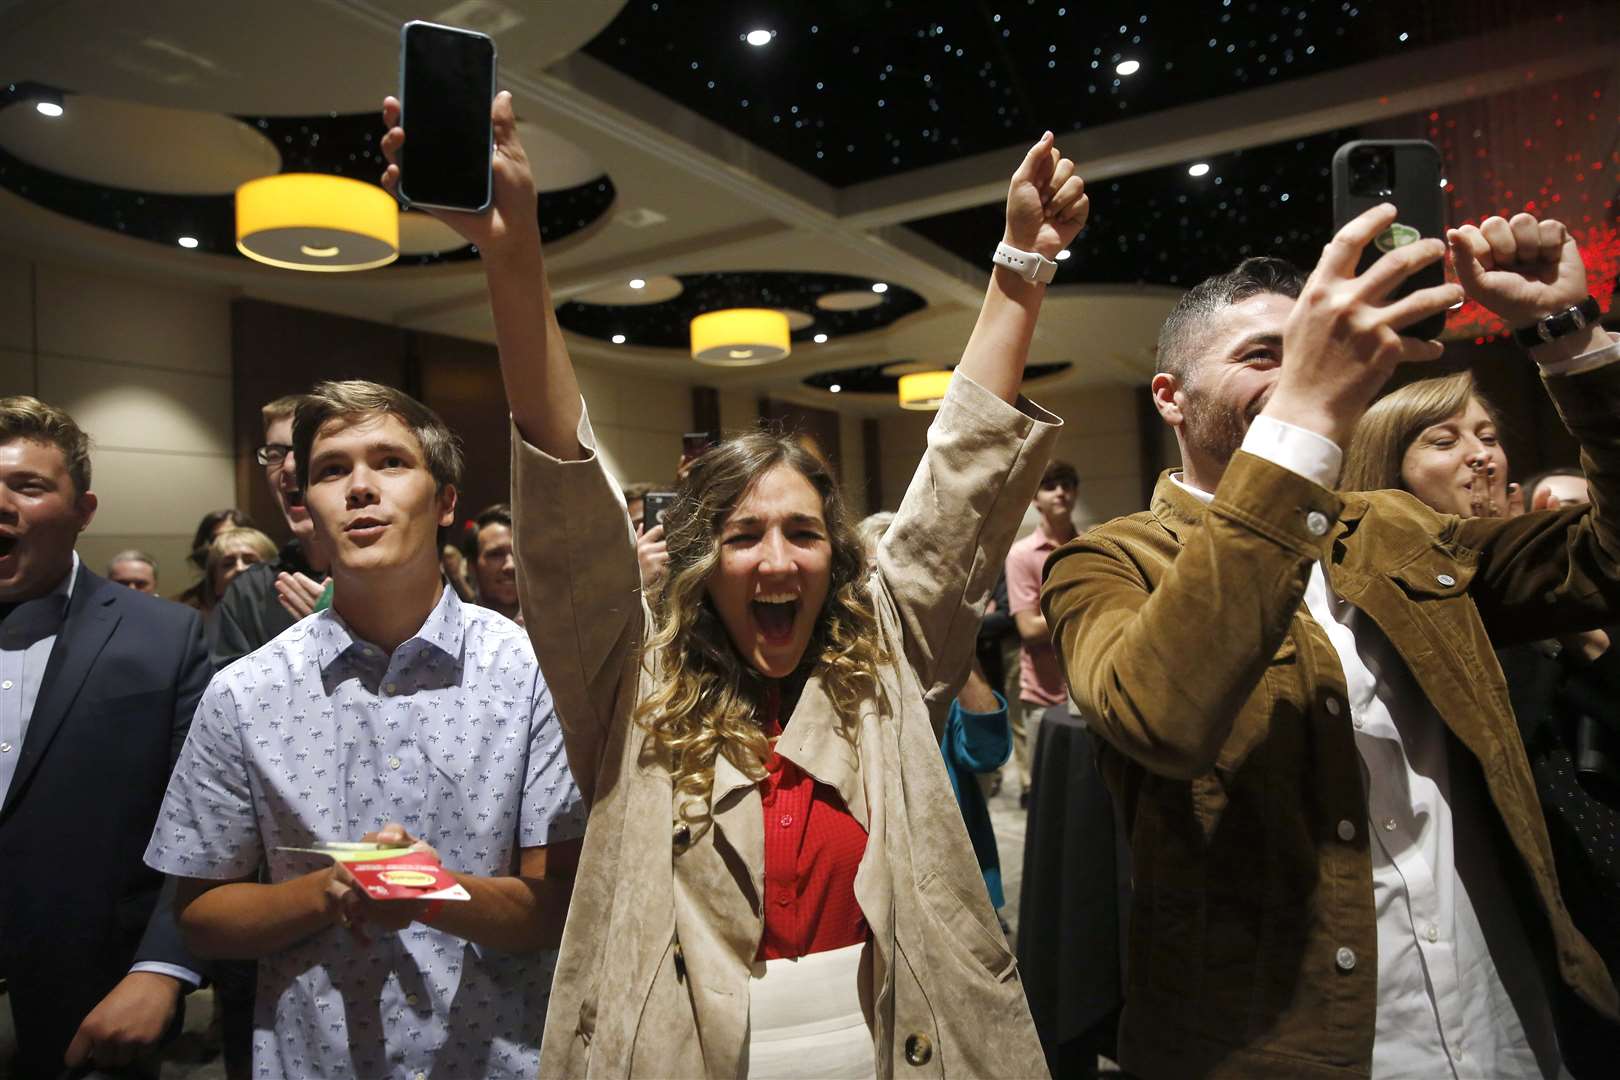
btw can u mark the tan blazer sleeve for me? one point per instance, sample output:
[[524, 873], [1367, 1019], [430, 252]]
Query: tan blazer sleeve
[[1557, 571], [940, 557], [1162, 675], [580, 588]]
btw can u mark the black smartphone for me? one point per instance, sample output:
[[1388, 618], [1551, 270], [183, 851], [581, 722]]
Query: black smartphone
[[1405, 172], [446, 86], [653, 506]]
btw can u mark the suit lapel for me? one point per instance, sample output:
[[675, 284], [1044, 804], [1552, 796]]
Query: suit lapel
[[91, 617]]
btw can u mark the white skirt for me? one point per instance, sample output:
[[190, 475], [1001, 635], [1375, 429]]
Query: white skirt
[[807, 1018]]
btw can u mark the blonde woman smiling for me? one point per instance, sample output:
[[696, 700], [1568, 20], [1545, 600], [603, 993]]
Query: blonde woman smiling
[[776, 881]]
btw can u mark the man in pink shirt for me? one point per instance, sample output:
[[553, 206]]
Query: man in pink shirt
[[1040, 680]]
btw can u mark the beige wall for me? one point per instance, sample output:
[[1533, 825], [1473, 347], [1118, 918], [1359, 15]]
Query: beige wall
[[1099, 438], [144, 366], [638, 422]]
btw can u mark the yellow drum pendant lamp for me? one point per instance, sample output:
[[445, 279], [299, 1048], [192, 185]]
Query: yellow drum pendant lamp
[[923, 390], [740, 337], [307, 221]]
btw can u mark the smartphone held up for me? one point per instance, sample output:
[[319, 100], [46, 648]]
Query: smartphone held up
[[446, 87], [1405, 172]]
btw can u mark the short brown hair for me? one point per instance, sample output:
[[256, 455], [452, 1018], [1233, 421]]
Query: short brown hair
[[1372, 461], [1251, 277], [1059, 474], [280, 409], [353, 398], [24, 417]]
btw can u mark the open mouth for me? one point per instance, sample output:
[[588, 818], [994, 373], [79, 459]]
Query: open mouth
[[294, 498], [365, 528], [7, 545], [775, 616]]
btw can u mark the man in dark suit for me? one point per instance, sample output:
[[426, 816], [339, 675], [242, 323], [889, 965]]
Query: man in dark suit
[[98, 684]]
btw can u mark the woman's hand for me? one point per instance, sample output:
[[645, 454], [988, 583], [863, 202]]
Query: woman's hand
[[512, 222], [652, 552], [1047, 204]]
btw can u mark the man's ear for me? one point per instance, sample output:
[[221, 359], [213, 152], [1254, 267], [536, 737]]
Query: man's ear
[[85, 506], [1168, 398], [447, 505]]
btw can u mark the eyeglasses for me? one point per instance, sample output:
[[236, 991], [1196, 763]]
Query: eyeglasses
[[272, 453]]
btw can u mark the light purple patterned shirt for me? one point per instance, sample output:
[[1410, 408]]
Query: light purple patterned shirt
[[321, 736]]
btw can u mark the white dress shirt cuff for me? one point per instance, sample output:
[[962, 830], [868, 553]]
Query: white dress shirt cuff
[[1315, 457], [174, 971], [1587, 361]]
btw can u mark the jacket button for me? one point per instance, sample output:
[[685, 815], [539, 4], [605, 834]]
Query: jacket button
[[1332, 706], [1445, 579], [1347, 831], [1346, 959], [919, 1051], [683, 834], [1316, 523]]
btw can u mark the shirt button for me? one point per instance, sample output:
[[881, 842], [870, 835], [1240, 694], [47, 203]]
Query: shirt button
[[1347, 831], [1445, 579], [410, 999], [1316, 523], [782, 900], [393, 763], [1358, 721], [787, 820], [421, 1076], [1346, 959], [1332, 706], [391, 687], [5, 685], [1432, 932], [1389, 824], [5, 748]]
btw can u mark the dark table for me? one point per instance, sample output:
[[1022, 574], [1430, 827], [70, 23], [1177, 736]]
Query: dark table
[[1074, 900]]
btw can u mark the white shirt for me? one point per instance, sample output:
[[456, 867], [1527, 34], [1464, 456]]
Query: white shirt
[[1459, 992]]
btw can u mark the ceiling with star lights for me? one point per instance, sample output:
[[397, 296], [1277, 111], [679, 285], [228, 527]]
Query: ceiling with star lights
[[797, 156]]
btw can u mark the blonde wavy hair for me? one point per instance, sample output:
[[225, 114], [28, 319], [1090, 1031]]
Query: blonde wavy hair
[[708, 696], [1378, 445]]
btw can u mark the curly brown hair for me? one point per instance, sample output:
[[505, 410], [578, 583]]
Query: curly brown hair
[[707, 697]]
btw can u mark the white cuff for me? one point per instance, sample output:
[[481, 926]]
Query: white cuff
[[1587, 361], [1315, 457], [174, 971]]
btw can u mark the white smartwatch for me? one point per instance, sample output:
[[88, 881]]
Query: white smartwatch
[[1029, 265]]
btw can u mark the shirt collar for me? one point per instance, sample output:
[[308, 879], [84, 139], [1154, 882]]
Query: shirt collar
[[1200, 494], [444, 630]]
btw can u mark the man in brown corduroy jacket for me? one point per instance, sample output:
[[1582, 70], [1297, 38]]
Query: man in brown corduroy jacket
[[1341, 868]]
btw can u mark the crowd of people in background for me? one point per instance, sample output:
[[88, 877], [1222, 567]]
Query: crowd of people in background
[[713, 786]]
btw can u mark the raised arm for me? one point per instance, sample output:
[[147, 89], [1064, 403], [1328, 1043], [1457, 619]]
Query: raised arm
[[578, 579], [986, 448], [541, 389]]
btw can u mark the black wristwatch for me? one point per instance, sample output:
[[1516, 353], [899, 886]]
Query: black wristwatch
[[1553, 327]]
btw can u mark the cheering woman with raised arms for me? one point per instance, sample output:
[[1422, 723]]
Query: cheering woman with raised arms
[[775, 879]]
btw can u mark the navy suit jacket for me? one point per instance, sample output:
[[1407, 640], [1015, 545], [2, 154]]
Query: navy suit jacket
[[78, 904]]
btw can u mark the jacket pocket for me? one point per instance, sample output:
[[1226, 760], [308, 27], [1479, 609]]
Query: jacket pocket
[[1434, 575], [960, 924]]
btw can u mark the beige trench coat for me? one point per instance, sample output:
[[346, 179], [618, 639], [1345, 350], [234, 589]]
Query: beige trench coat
[[653, 976]]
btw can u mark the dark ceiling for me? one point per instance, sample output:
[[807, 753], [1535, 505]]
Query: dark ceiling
[[667, 325], [855, 90], [333, 144]]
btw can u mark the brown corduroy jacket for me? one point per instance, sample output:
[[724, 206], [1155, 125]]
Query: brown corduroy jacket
[[653, 975], [1218, 702]]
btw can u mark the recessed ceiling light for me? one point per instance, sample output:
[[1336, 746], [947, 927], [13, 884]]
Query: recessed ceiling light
[[821, 339], [1063, 255], [618, 339], [48, 108], [187, 242], [756, 38], [638, 283], [834, 388], [1442, 181], [1200, 169], [879, 287], [1128, 67]]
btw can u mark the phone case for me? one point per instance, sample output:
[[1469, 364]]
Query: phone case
[[494, 67], [1421, 212]]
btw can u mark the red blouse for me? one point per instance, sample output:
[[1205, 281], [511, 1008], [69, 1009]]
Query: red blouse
[[813, 846]]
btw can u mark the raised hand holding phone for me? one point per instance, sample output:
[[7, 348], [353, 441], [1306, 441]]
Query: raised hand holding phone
[[447, 81]]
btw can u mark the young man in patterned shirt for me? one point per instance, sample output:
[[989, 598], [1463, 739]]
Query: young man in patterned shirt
[[402, 715]]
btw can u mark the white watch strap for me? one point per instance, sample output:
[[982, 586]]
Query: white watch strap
[[1029, 265]]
